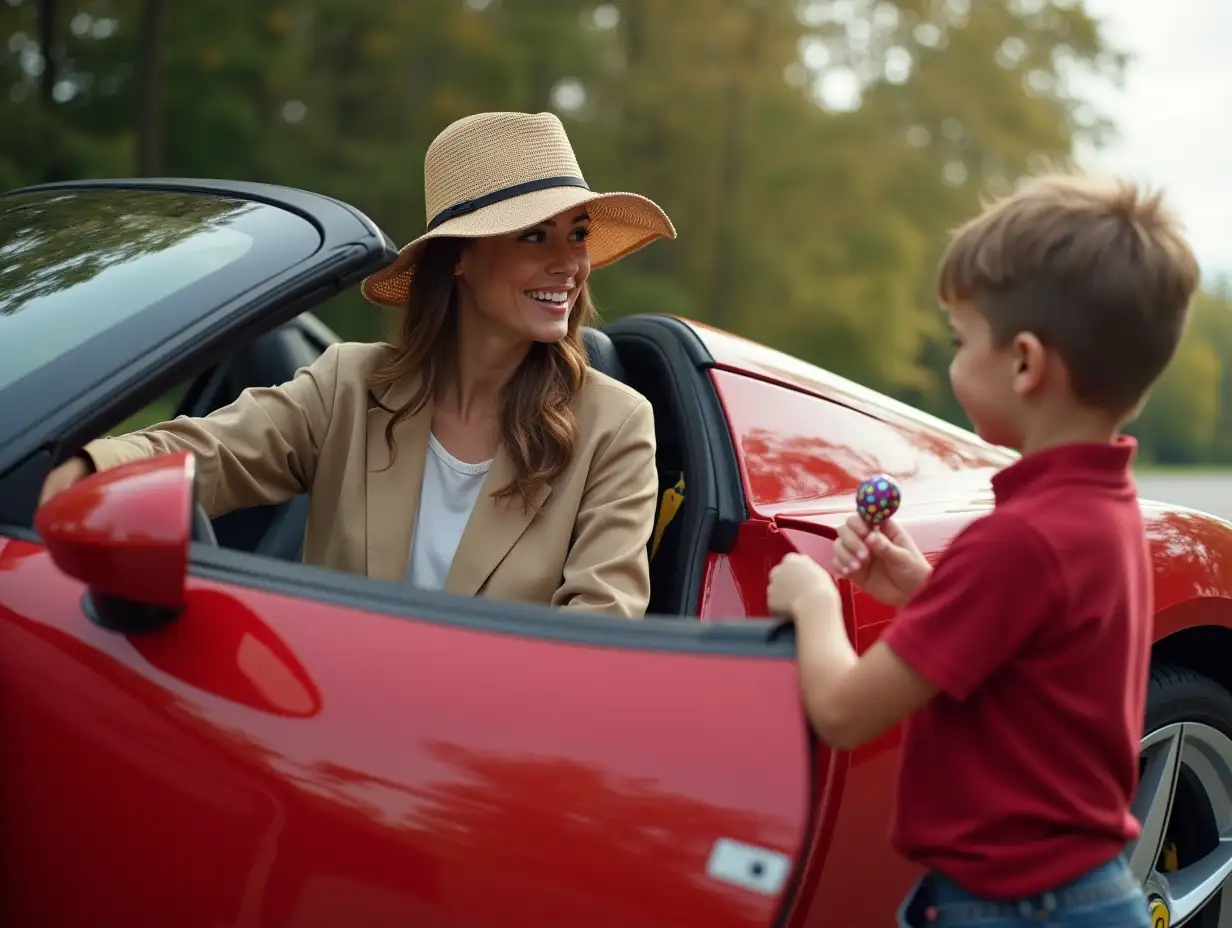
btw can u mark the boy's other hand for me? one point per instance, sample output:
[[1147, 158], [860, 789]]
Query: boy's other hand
[[798, 584], [885, 564]]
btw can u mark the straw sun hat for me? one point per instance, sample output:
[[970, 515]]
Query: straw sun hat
[[496, 173]]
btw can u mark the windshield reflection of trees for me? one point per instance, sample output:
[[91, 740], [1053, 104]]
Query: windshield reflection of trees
[[49, 244]]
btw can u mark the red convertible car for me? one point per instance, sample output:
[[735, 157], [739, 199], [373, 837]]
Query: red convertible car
[[200, 731]]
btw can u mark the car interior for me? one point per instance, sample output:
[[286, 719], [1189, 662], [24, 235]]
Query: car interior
[[642, 352]]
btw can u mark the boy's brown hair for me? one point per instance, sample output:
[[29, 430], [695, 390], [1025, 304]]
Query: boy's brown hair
[[1098, 270]]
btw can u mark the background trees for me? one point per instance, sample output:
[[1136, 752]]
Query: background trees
[[813, 154]]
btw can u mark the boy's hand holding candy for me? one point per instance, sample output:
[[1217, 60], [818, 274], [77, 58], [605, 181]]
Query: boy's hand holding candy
[[850, 699], [873, 552]]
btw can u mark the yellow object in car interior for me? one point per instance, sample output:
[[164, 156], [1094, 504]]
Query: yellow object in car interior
[[670, 505]]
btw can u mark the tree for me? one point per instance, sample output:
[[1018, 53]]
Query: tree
[[150, 135], [812, 153], [48, 20], [1189, 414]]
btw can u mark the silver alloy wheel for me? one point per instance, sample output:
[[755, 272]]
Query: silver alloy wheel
[[1203, 755]]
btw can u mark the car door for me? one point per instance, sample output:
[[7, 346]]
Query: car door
[[306, 748], [802, 457]]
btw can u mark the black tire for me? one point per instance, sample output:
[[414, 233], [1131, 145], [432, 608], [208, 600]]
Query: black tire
[[1178, 694]]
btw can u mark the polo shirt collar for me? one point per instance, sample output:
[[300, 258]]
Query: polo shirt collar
[[1082, 462]]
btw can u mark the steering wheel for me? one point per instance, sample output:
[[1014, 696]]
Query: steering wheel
[[202, 527]]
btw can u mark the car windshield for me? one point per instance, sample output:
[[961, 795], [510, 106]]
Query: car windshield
[[74, 263]]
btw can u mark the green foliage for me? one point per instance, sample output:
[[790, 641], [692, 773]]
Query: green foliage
[[1188, 417], [808, 218]]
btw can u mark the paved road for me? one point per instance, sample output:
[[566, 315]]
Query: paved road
[[1209, 492]]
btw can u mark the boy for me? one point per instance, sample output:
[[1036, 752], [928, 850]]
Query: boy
[[1023, 655]]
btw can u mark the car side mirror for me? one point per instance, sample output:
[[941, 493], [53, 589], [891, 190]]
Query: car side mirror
[[124, 533]]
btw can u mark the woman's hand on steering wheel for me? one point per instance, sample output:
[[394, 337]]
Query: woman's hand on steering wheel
[[202, 527], [64, 476]]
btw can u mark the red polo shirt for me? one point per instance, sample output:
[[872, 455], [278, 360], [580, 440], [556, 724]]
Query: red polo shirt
[[1036, 629]]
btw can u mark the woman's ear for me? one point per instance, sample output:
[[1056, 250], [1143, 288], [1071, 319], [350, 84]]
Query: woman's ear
[[459, 266]]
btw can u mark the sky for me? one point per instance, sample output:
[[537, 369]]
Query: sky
[[1174, 113]]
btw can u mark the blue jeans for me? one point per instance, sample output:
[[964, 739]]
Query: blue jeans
[[1105, 897]]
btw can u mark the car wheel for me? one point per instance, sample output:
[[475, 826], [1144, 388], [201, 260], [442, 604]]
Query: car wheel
[[1184, 800]]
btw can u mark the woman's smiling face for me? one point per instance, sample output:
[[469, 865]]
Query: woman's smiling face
[[527, 283]]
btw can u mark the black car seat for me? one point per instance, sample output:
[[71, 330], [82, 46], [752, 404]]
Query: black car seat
[[602, 354]]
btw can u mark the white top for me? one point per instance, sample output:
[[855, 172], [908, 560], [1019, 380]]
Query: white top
[[450, 488]]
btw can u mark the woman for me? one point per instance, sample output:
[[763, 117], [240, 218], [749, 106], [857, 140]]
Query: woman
[[480, 454]]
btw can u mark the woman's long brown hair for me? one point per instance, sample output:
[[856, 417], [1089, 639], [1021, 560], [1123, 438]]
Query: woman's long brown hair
[[537, 425]]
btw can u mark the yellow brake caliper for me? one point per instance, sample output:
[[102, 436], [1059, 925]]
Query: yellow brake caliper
[[1168, 861]]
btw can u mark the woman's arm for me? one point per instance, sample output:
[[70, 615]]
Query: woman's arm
[[258, 450], [608, 569]]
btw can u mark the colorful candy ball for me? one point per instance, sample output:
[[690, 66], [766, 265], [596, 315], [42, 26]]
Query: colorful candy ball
[[877, 499]]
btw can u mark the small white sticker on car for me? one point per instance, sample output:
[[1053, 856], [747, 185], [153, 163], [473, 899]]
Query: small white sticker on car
[[757, 869]]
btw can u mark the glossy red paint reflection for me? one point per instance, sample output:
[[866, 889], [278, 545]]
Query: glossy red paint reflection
[[800, 453], [125, 532], [758, 362], [220, 647]]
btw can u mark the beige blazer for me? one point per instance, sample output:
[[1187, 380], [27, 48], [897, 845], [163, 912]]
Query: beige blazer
[[318, 433]]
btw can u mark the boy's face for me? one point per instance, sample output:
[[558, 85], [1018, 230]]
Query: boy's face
[[985, 378]]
